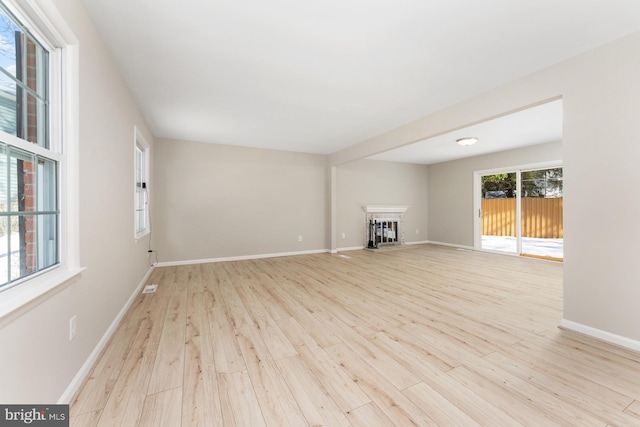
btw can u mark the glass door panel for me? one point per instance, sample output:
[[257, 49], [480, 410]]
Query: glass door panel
[[541, 218], [498, 212]]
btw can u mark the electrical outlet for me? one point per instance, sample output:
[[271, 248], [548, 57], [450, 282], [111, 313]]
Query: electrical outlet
[[72, 328], [417, 231], [344, 235], [300, 238]]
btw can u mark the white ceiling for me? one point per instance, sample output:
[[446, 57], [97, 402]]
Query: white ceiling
[[319, 76]]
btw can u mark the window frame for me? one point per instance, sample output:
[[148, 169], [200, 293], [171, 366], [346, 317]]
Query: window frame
[[25, 149], [141, 145], [46, 24]]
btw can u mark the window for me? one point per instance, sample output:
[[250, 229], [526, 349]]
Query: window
[[141, 203], [38, 153], [29, 215]]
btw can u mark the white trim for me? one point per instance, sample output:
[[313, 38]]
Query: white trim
[[46, 19], [600, 335], [352, 248], [518, 212], [70, 176], [384, 209], [30, 147], [25, 296], [477, 210], [525, 167], [240, 258], [78, 380], [140, 143], [333, 170], [451, 245], [420, 242]]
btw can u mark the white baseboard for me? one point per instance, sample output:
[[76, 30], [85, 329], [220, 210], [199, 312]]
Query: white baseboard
[[421, 242], [452, 245], [359, 248], [77, 382], [601, 335], [240, 258], [351, 248]]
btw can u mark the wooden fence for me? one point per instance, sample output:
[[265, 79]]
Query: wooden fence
[[541, 218]]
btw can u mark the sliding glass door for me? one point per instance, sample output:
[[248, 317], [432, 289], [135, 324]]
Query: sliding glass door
[[520, 211]]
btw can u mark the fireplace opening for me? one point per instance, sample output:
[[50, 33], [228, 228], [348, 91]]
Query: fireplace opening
[[383, 232]]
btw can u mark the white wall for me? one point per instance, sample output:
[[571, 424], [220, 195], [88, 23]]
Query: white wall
[[602, 203], [601, 147], [451, 213], [37, 361], [218, 201], [375, 182]]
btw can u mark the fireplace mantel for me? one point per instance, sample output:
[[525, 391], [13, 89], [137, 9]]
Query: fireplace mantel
[[384, 209]]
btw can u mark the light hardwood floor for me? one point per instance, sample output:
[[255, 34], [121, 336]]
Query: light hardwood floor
[[421, 336]]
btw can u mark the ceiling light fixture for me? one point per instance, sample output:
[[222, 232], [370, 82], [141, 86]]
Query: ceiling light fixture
[[469, 140]]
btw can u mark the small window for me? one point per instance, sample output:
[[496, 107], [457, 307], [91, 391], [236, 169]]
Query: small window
[[141, 195]]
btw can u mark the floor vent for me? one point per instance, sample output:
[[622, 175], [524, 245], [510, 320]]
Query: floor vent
[[149, 289]]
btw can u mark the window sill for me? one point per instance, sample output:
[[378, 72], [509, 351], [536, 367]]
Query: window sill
[[140, 235], [18, 300]]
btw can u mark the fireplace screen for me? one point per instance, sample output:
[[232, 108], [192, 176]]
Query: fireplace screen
[[383, 232]]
